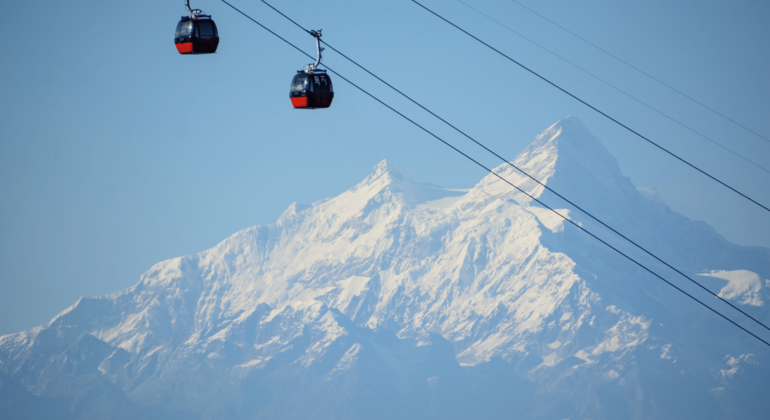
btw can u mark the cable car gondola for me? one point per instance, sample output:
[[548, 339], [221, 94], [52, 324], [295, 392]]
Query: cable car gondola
[[311, 87], [196, 34]]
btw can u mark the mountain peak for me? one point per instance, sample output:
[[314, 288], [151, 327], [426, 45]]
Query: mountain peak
[[564, 153], [570, 123], [385, 176], [387, 169], [569, 139], [386, 184], [570, 159]]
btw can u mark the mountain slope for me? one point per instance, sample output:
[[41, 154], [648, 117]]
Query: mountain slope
[[367, 304]]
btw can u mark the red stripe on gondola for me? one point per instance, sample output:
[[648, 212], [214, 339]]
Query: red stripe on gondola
[[299, 102], [185, 48]]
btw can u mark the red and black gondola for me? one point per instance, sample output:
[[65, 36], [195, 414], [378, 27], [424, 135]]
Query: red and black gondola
[[311, 87], [196, 34]]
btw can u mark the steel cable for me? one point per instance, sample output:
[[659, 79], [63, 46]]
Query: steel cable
[[504, 180], [618, 89], [593, 108], [526, 174], [645, 73]]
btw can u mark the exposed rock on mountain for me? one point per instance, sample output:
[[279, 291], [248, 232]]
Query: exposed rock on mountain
[[398, 299]]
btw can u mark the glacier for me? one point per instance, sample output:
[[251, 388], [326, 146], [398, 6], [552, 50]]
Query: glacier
[[397, 299]]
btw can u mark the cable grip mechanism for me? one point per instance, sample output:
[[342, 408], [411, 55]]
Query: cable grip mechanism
[[194, 13]]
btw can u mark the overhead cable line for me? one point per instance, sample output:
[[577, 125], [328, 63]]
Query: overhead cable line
[[592, 107], [645, 73], [616, 88], [509, 163], [501, 178]]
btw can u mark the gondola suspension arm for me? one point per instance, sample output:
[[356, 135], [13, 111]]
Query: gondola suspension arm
[[317, 34]]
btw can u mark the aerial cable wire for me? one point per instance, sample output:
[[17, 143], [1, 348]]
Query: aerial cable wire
[[645, 73], [616, 88], [503, 179], [593, 108], [525, 173]]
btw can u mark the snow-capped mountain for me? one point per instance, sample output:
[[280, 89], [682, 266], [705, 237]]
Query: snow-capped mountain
[[401, 300]]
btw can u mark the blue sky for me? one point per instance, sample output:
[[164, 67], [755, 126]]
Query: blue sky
[[116, 152]]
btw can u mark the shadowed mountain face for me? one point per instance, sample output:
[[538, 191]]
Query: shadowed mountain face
[[401, 300]]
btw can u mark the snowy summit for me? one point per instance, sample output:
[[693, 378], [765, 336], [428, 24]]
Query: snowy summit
[[400, 300]]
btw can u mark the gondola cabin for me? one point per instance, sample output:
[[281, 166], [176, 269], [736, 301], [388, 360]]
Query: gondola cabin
[[196, 35], [310, 90]]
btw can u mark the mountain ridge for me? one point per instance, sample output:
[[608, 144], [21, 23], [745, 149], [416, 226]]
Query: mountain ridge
[[371, 284]]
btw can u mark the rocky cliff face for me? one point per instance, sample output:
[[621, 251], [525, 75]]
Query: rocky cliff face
[[397, 299]]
